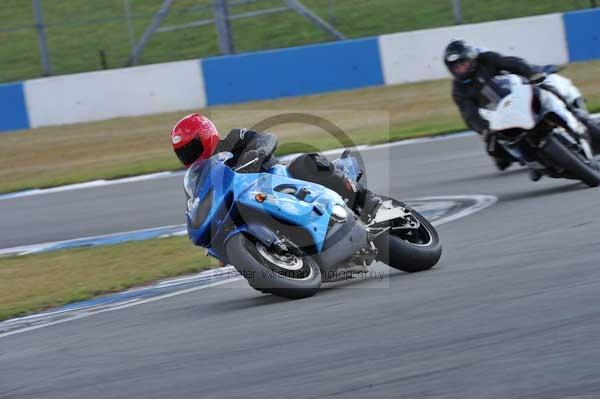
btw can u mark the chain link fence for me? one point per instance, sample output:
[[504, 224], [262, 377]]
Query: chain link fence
[[53, 37]]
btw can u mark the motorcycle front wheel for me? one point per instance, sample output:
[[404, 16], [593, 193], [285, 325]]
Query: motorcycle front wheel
[[576, 165], [283, 274]]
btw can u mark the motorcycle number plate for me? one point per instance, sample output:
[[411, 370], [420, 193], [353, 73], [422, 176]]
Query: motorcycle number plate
[[388, 212]]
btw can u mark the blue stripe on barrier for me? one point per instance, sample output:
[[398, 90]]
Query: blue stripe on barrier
[[13, 111], [582, 29], [293, 71]]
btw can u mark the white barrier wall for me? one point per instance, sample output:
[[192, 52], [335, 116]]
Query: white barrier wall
[[418, 55], [93, 96], [389, 59]]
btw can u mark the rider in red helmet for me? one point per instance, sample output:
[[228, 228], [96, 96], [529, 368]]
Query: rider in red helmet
[[195, 137]]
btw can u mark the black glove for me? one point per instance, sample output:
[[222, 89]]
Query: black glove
[[258, 156]]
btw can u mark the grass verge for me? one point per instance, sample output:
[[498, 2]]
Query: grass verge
[[32, 283], [115, 148]]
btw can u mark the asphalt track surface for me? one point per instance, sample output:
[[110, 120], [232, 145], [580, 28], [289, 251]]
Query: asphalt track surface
[[511, 310]]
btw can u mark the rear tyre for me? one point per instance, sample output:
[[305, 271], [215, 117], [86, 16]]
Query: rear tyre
[[285, 275], [574, 163], [413, 251]]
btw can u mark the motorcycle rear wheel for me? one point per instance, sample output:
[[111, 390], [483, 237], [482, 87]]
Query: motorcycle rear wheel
[[410, 252]]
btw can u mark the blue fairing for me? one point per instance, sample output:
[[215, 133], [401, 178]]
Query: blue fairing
[[212, 183]]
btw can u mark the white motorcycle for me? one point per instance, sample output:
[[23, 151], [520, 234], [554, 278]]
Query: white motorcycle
[[536, 128]]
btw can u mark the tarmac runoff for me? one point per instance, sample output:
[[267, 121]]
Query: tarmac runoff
[[438, 210]]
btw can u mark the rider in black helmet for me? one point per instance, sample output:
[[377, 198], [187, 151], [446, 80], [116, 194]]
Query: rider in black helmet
[[461, 60], [473, 70]]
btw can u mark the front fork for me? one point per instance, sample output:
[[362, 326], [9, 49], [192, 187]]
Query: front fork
[[577, 142], [573, 128]]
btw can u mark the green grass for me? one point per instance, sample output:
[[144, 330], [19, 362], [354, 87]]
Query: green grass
[[35, 282], [120, 147], [79, 29]]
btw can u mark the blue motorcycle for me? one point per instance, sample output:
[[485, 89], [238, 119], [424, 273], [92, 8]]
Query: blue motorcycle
[[287, 236]]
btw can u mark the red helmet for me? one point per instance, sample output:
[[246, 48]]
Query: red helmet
[[194, 137]]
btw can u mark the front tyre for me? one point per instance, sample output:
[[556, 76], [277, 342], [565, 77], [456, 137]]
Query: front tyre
[[410, 250], [575, 164], [283, 274]]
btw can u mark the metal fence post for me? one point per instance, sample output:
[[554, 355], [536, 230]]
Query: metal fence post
[[130, 31], [301, 9], [456, 7], [156, 21], [221, 11], [41, 33]]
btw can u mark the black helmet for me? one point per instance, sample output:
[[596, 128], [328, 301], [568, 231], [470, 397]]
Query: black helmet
[[458, 53]]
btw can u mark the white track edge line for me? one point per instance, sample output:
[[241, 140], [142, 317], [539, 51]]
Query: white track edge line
[[481, 202], [125, 305], [32, 248]]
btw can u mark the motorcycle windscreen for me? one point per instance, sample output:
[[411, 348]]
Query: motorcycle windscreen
[[205, 185], [349, 166], [509, 104], [198, 172]]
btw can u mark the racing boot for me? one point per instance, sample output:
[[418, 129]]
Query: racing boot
[[359, 198], [502, 163], [366, 204], [534, 175]]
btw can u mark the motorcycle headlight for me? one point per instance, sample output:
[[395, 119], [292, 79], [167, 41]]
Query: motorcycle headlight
[[339, 214]]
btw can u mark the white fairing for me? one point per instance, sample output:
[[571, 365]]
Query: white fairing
[[551, 103], [563, 86], [514, 110]]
